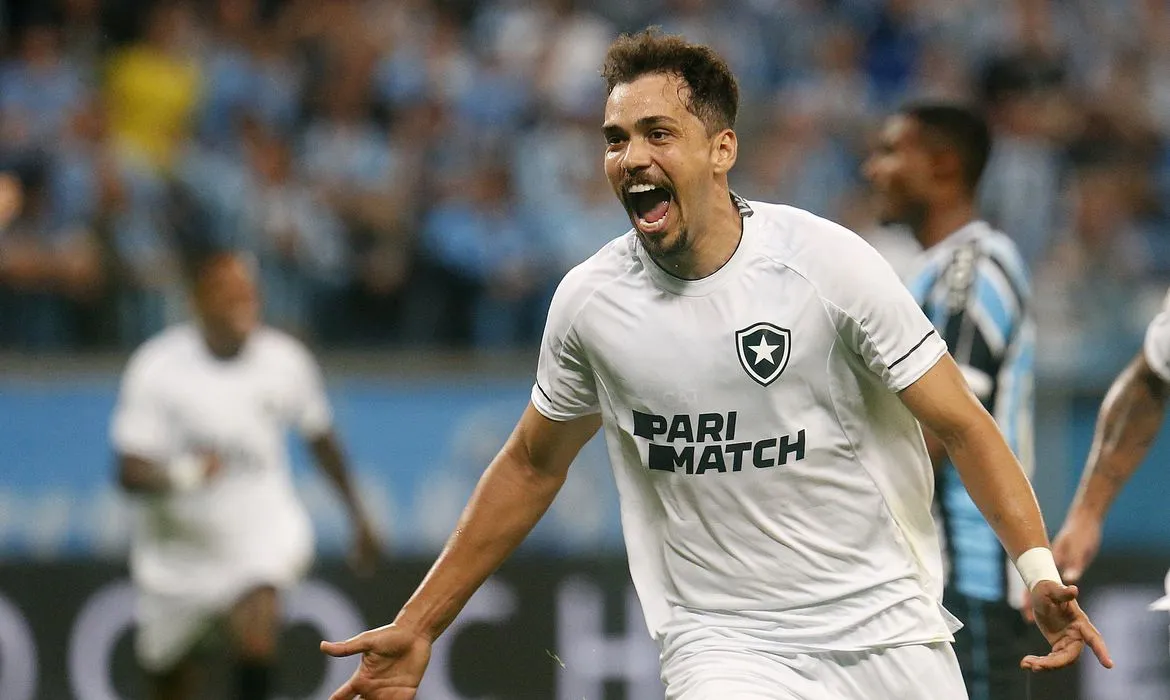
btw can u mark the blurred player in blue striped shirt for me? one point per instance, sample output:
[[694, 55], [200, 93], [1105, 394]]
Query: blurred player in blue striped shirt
[[972, 283]]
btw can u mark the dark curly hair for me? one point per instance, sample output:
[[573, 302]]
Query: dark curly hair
[[713, 95]]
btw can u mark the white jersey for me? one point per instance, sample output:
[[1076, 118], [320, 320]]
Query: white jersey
[[775, 492], [246, 526], [1156, 348], [1157, 343]]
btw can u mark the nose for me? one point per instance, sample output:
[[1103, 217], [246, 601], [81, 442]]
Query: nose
[[636, 157]]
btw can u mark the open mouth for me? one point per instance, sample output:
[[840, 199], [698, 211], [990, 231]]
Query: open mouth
[[649, 204]]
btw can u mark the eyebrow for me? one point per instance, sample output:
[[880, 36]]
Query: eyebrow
[[643, 124]]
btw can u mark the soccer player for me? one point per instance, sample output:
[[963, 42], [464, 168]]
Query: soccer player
[[1130, 417], [972, 284], [199, 431], [760, 374]]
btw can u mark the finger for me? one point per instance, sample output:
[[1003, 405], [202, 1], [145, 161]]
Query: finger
[[1064, 594], [1097, 643], [1072, 574], [1058, 658], [1029, 614], [354, 645], [345, 692]]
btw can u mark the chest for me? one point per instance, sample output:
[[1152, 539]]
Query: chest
[[229, 404], [757, 340]]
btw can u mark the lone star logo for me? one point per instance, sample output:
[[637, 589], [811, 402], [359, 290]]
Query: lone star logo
[[763, 350]]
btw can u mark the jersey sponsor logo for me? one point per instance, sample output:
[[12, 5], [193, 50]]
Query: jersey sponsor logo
[[763, 350], [707, 442]]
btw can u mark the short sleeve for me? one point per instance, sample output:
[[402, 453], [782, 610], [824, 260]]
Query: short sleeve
[[565, 387], [878, 318], [978, 310], [141, 423], [1157, 343], [312, 413]]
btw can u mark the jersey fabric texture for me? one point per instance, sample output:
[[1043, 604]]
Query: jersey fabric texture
[[974, 287], [194, 554], [775, 492]]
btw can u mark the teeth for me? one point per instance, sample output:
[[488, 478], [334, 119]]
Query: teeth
[[636, 189]]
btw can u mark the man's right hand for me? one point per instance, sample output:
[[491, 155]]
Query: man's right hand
[[1076, 546], [393, 661]]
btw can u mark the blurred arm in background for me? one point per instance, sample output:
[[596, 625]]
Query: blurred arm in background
[[1128, 422]]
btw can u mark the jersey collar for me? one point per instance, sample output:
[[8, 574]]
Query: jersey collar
[[700, 287]]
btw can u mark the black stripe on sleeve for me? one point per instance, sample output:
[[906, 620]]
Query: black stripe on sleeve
[[544, 393], [911, 350], [1013, 284]]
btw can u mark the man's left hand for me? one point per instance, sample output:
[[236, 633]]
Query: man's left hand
[[1066, 627]]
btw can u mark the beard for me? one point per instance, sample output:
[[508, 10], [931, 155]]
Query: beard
[[663, 253]]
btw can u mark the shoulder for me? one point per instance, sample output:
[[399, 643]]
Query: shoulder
[[617, 260], [825, 253], [277, 346], [170, 345], [1000, 251], [162, 356]]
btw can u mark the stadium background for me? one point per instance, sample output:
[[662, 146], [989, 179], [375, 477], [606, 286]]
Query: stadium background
[[413, 177]]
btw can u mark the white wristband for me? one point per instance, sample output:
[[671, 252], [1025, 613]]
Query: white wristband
[[186, 473], [1036, 565]]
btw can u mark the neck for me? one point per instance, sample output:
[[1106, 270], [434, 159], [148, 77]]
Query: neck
[[712, 244], [222, 347], [942, 221]]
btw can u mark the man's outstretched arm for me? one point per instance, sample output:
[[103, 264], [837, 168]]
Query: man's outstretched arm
[[512, 495], [943, 403], [1129, 420]]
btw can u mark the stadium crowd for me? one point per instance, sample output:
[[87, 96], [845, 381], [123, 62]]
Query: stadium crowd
[[421, 173]]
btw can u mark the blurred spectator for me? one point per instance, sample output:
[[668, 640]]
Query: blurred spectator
[[480, 285], [423, 172], [1023, 94], [231, 83], [892, 50], [297, 239], [731, 32], [85, 39], [836, 94], [39, 89], [264, 205], [799, 162], [152, 89], [49, 275], [589, 217], [575, 41], [1087, 286], [121, 207]]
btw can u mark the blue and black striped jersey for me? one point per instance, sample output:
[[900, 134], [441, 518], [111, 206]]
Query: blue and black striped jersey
[[974, 287]]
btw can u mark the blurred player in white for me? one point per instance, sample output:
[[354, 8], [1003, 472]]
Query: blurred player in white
[[199, 431], [972, 284], [1127, 424], [758, 372]]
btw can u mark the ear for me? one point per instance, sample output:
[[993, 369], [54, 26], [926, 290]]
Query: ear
[[724, 151], [947, 165]]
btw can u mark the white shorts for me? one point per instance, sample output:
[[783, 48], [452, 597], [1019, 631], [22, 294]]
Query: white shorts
[[170, 624], [915, 672], [169, 627]]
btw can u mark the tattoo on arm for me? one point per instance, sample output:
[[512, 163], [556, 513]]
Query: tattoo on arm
[[1127, 425]]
